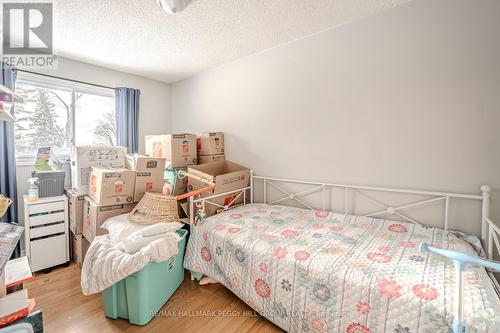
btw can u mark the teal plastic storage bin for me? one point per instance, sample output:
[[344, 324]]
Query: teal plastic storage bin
[[139, 296]]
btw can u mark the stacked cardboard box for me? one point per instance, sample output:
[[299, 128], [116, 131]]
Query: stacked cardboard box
[[111, 186], [210, 147], [94, 215], [79, 245], [85, 157], [227, 176], [111, 193], [179, 149], [148, 173]]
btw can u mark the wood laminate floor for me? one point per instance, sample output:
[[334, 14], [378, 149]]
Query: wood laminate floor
[[66, 309]]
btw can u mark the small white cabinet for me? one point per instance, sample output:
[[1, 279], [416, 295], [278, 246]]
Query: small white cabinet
[[46, 234]]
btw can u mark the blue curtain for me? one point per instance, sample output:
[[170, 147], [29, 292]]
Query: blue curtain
[[8, 185], [127, 118]]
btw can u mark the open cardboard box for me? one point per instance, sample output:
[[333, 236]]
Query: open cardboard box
[[227, 176]]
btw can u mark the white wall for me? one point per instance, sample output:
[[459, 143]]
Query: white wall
[[154, 116], [408, 98]]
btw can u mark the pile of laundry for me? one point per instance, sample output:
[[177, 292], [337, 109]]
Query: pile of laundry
[[125, 250]]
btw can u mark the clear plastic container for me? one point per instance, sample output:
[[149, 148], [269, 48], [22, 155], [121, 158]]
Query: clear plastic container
[[32, 189]]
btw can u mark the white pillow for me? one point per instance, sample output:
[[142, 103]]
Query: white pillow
[[119, 227]]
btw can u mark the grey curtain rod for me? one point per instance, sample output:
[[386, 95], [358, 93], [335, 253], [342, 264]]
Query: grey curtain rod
[[63, 78]]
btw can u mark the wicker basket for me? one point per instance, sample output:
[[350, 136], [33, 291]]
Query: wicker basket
[[4, 204], [155, 208]]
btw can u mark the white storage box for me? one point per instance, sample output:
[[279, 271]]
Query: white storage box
[[83, 157]]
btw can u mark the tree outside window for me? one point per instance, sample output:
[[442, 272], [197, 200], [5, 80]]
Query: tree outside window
[[61, 117]]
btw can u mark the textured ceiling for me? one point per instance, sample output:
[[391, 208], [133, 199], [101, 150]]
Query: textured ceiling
[[138, 37]]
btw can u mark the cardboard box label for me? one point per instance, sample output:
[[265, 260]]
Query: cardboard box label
[[113, 175], [109, 208]]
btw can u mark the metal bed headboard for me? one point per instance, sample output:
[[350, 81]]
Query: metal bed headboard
[[489, 231]]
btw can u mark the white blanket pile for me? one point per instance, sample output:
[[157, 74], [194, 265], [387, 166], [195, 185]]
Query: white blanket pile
[[107, 263]]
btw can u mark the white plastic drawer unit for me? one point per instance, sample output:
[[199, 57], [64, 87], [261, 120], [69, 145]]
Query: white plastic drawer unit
[[46, 232], [48, 252], [38, 208], [49, 213]]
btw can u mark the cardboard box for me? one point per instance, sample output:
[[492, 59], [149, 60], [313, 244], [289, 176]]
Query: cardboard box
[[94, 216], [180, 184], [111, 186], [79, 248], [147, 181], [84, 157], [228, 176], [180, 149], [210, 158], [75, 208], [210, 143], [137, 162]]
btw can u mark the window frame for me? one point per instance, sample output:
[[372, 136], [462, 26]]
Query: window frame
[[61, 84]]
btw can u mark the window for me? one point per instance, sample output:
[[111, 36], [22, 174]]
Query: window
[[59, 114]]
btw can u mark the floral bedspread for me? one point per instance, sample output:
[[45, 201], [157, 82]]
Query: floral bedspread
[[315, 271]]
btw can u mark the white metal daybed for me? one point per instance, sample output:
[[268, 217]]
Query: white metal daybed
[[315, 270]]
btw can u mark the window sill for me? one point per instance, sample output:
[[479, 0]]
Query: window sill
[[30, 160]]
